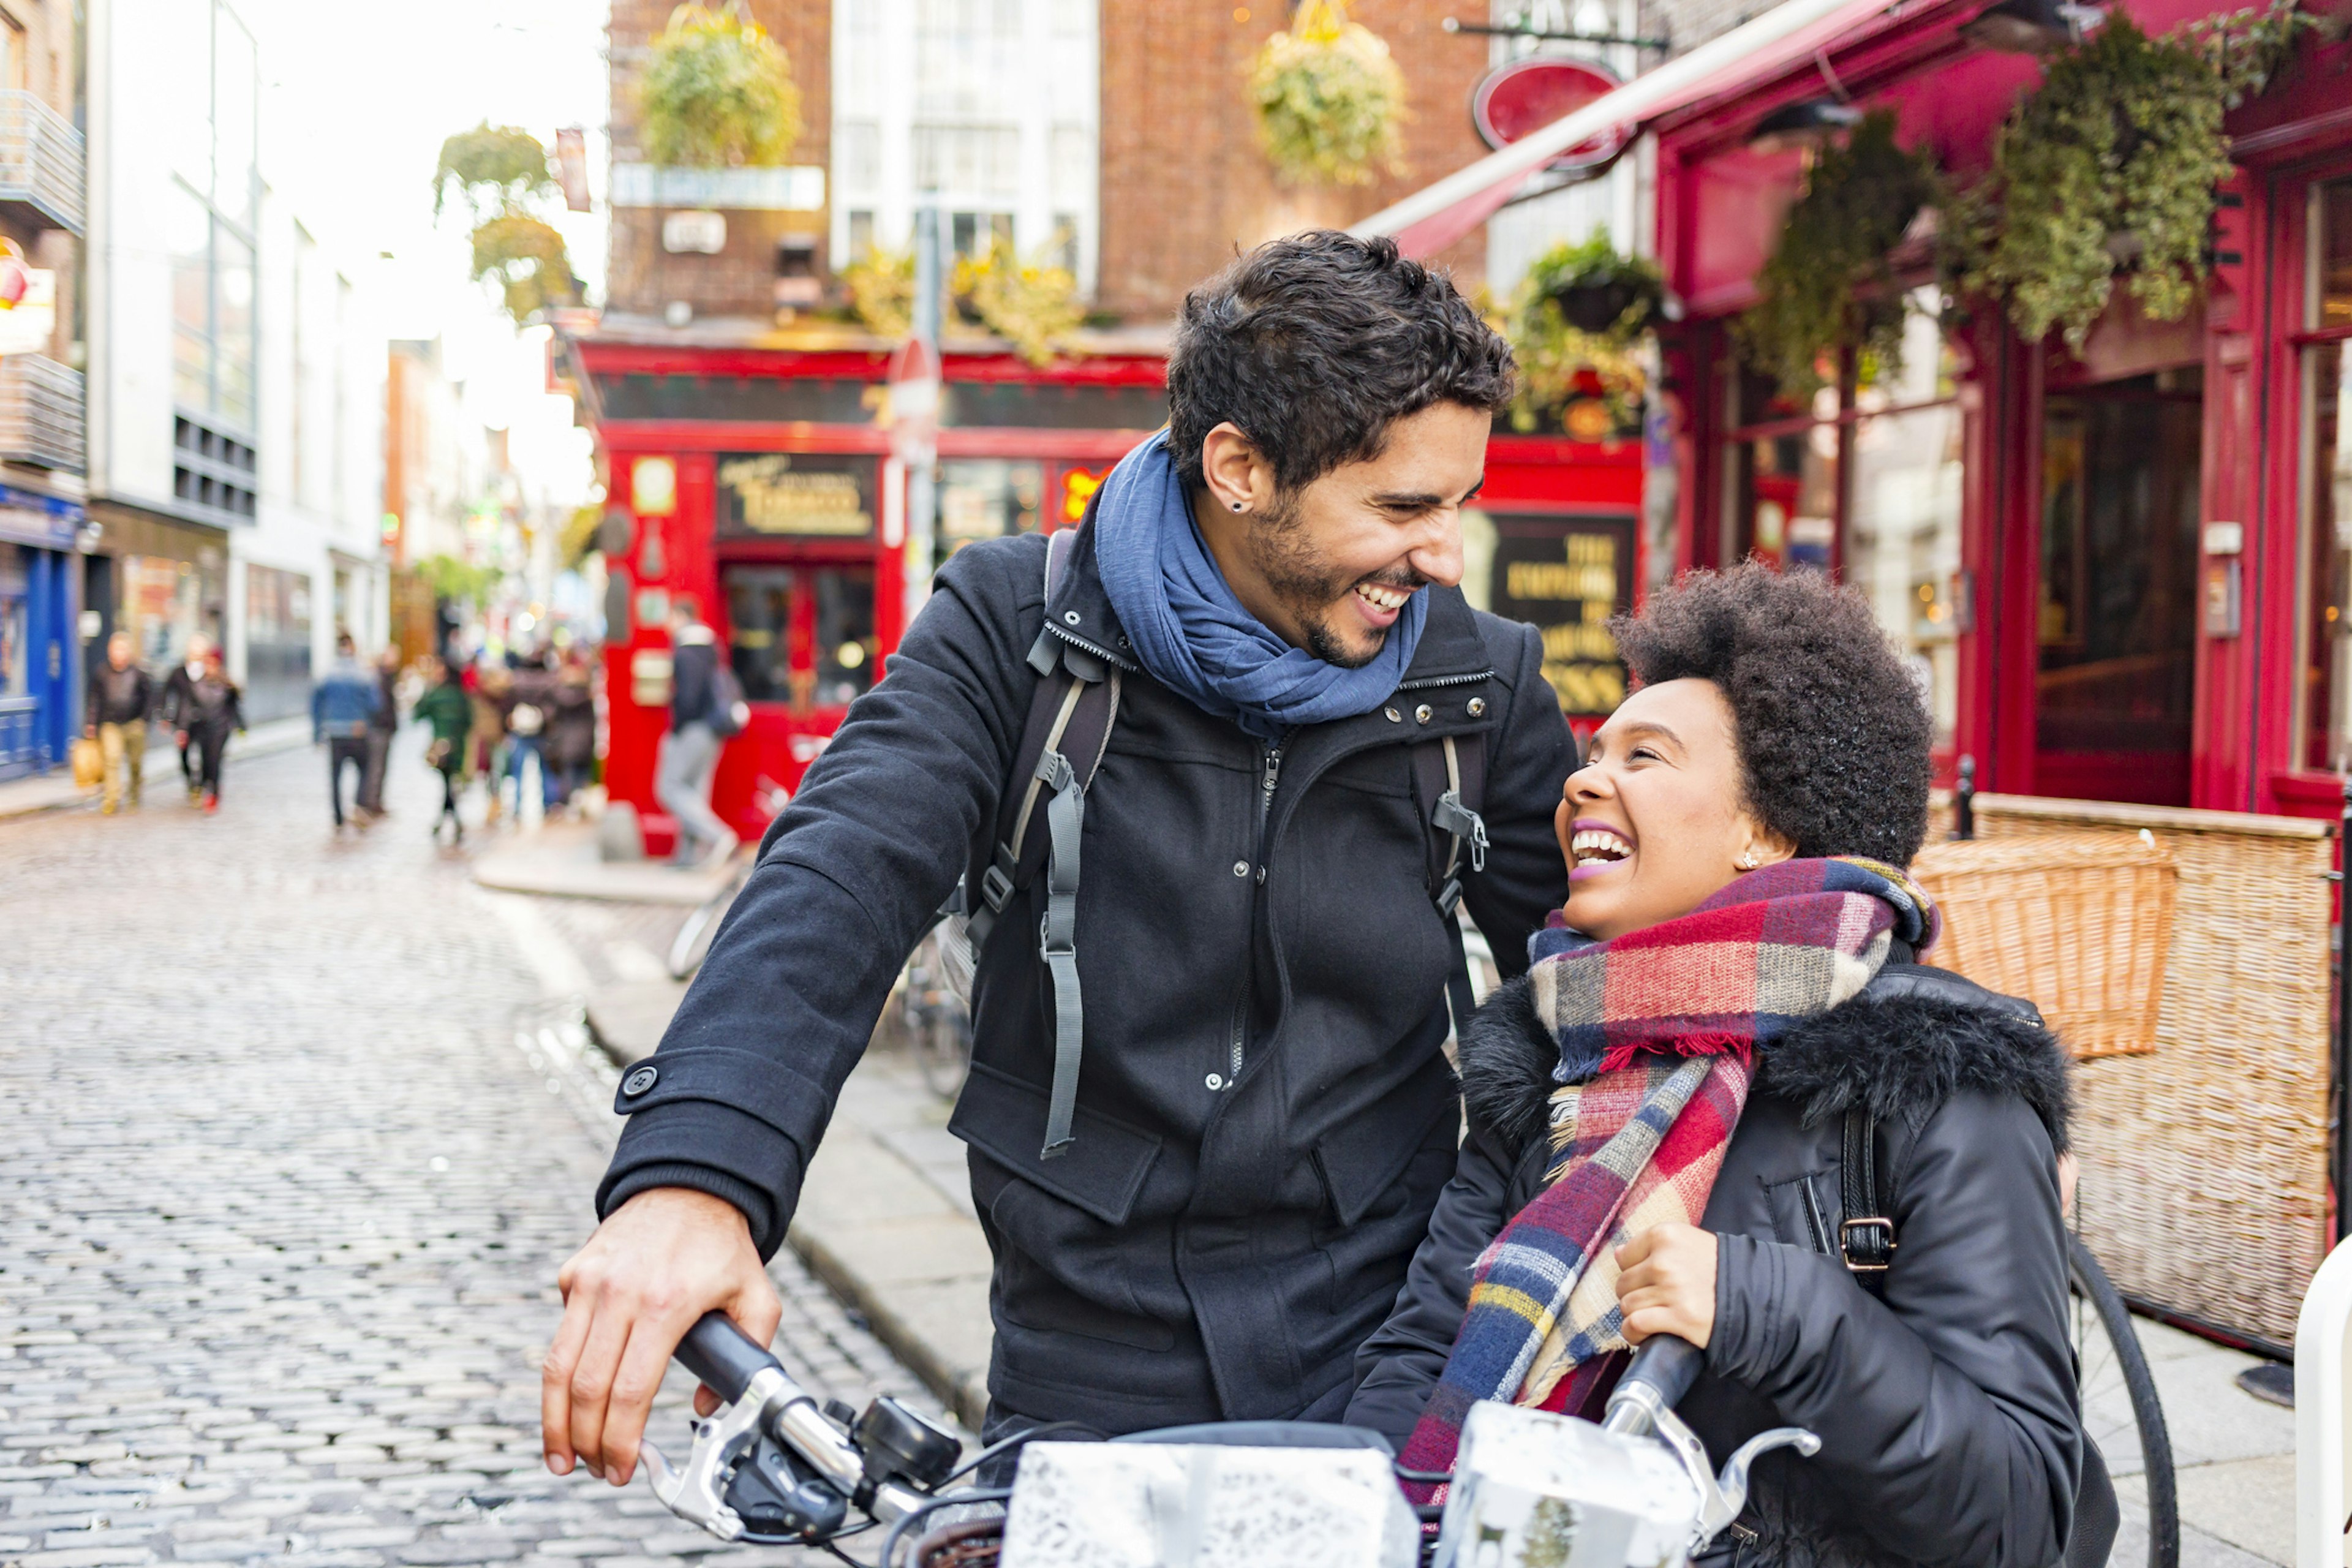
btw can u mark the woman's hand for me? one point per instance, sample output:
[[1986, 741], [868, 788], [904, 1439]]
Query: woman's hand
[[1667, 1285]]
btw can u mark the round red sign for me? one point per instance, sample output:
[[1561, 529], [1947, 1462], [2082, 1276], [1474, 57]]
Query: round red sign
[[1526, 95]]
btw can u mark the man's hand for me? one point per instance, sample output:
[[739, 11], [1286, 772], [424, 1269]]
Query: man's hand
[[656, 1264], [1667, 1285]]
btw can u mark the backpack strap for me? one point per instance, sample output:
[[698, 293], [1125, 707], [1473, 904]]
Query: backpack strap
[[1449, 778], [1866, 1232], [1041, 826]]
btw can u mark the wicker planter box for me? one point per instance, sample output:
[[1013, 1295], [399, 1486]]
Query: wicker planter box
[[2205, 1159]]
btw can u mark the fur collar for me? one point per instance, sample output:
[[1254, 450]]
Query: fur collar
[[1914, 1037]]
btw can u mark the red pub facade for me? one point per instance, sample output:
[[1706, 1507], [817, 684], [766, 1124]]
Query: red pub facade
[[2121, 574]]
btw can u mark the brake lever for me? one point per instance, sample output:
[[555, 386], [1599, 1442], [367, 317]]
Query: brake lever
[[696, 1491]]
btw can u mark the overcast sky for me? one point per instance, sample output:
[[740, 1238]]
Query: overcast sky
[[356, 102]]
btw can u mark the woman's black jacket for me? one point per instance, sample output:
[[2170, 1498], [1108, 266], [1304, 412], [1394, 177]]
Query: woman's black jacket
[[1946, 1404]]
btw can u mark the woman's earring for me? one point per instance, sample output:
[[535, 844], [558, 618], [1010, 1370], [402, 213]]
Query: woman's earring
[[1748, 862]]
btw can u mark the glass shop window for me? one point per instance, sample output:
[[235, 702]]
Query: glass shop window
[[760, 602], [2327, 500], [845, 649], [1864, 480]]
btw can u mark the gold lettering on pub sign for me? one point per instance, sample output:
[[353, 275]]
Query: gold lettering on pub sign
[[773, 496], [1580, 655]]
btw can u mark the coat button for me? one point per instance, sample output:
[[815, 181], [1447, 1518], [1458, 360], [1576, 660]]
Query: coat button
[[1477, 706], [1215, 1081], [1240, 867], [639, 1080], [1421, 713], [1393, 716]]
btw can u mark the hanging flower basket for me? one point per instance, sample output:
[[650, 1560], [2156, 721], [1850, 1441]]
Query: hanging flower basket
[[1578, 327], [1598, 290], [717, 93], [1329, 100], [1033, 304]]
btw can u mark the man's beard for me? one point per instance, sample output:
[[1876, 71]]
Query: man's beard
[[1308, 585]]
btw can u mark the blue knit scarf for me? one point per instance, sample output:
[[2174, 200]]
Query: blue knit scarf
[[1194, 636]]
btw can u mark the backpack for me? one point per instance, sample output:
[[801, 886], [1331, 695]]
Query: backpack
[[1043, 812], [729, 712]]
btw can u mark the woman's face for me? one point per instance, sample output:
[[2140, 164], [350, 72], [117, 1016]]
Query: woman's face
[[1654, 823]]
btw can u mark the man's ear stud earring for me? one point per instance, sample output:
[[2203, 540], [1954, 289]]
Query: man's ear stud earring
[[1237, 506]]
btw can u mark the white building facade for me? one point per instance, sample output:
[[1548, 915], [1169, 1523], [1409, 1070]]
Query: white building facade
[[235, 378]]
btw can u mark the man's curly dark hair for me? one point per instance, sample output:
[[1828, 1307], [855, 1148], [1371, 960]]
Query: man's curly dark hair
[[1313, 345], [1832, 733]]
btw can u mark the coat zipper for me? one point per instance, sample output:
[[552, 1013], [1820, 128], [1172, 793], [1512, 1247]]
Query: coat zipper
[[1814, 1217], [1269, 776]]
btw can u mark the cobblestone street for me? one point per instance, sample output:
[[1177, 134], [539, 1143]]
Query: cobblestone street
[[301, 1127]]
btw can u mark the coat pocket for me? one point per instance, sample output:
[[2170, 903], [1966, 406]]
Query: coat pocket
[[1362, 1159], [1800, 1216], [1102, 1173]]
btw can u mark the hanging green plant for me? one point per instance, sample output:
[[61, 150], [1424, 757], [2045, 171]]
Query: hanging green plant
[[1830, 285], [881, 285], [717, 92], [493, 168], [2110, 167], [528, 260], [1577, 325], [1032, 304], [1330, 103]]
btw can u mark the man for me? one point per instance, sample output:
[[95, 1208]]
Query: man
[[179, 708], [689, 753], [215, 710], [343, 707], [121, 697], [382, 724], [1264, 1115]]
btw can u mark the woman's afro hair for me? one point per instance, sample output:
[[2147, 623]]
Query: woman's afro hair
[[1832, 730]]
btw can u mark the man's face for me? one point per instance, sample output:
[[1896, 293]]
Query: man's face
[[1337, 560], [118, 651]]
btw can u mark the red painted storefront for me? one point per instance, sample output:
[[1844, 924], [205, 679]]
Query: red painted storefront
[[2124, 576], [760, 481]]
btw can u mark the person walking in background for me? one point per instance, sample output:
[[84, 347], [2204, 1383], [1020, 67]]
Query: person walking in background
[[215, 707], [689, 753], [179, 707], [530, 694], [571, 729], [341, 706], [382, 725], [122, 694], [491, 689], [446, 708]]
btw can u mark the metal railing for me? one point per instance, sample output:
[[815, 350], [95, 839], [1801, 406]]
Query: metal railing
[[41, 160], [41, 419]]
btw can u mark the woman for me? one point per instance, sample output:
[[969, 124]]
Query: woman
[[446, 710], [1734, 967], [572, 727], [214, 708]]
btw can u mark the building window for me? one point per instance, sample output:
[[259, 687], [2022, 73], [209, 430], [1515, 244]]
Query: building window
[[2326, 465], [801, 635], [1864, 480], [209, 223], [996, 121], [277, 643]]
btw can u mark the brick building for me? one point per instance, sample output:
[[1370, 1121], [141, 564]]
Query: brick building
[[1119, 124]]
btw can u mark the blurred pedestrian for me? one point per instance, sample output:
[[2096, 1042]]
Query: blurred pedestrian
[[122, 694], [382, 724], [572, 727], [530, 694], [179, 704], [215, 708], [341, 705], [446, 708], [491, 692], [689, 753]]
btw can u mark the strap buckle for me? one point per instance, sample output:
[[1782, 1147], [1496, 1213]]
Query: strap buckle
[[1880, 1248], [1452, 817], [1449, 896], [995, 888]]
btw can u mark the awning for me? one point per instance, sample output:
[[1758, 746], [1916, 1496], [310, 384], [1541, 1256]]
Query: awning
[[1436, 215]]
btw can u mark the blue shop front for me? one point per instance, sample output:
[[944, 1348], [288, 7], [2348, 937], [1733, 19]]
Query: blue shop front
[[39, 654]]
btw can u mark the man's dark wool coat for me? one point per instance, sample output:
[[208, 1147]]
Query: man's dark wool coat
[[1265, 1114], [1946, 1403]]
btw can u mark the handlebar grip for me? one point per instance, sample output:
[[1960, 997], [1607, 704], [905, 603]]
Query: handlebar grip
[[1669, 1363], [722, 1355]]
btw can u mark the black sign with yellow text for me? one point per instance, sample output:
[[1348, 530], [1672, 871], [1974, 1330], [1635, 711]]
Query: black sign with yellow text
[[796, 495], [1566, 576]]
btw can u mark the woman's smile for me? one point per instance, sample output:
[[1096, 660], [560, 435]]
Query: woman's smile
[[1596, 846]]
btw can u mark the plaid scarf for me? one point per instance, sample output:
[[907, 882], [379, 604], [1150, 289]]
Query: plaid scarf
[[1657, 1031]]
